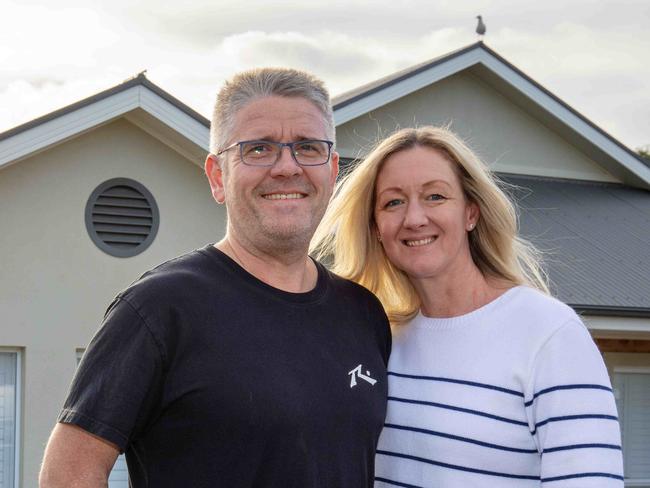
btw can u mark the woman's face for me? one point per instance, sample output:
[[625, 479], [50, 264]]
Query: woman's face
[[422, 215]]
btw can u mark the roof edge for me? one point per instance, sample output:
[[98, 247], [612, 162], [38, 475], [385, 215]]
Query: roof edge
[[174, 101], [564, 104], [139, 79], [612, 311], [480, 45], [408, 74]]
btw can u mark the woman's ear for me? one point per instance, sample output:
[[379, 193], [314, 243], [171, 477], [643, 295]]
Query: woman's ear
[[472, 214]]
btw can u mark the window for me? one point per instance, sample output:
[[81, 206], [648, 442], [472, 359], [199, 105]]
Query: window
[[633, 403], [9, 418], [119, 477]]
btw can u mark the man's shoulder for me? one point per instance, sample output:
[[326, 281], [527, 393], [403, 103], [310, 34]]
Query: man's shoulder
[[352, 291], [170, 278], [343, 283]]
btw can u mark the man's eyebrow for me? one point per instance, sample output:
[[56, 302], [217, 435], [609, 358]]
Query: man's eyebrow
[[298, 138]]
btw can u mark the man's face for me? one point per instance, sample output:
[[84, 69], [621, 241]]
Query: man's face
[[274, 208]]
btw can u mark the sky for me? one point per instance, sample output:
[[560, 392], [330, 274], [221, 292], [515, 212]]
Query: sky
[[594, 55]]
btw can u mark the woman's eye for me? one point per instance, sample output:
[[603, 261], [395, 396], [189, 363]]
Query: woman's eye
[[435, 196], [392, 203]]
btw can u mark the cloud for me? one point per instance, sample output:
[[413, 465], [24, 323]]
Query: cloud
[[51, 40], [55, 53], [22, 100]]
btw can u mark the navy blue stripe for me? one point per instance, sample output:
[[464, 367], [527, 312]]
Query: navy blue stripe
[[459, 468], [459, 438], [567, 387], [582, 446], [396, 483], [458, 409], [573, 417], [459, 382], [583, 475]]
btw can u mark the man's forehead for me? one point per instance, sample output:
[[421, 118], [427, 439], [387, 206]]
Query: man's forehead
[[280, 113]]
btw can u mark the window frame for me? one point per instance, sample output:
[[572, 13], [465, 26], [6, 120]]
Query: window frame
[[18, 412], [642, 482]]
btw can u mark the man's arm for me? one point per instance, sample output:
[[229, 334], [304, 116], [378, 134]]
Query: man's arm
[[75, 458]]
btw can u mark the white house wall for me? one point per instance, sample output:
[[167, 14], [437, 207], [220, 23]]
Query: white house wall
[[503, 134], [56, 284]]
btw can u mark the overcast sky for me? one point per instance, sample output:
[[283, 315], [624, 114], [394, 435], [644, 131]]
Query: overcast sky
[[592, 54]]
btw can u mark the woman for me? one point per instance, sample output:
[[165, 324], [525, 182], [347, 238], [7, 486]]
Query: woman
[[492, 383]]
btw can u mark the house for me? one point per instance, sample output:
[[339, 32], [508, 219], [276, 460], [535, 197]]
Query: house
[[584, 199], [97, 192], [91, 195]]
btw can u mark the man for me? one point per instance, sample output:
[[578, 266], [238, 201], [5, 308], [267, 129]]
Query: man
[[245, 363]]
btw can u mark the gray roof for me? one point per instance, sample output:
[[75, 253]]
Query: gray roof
[[355, 94], [596, 239], [140, 79], [360, 92]]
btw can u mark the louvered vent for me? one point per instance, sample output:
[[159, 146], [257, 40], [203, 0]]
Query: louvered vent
[[122, 217]]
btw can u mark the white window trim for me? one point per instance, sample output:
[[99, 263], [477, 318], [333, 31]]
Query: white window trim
[[19, 411], [637, 482], [634, 370]]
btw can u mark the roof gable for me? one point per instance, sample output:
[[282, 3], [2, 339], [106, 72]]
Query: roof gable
[[140, 101], [512, 83]]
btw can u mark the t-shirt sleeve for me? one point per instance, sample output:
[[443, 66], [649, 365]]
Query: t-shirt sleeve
[[572, 412], [382, 327], [118, 381]]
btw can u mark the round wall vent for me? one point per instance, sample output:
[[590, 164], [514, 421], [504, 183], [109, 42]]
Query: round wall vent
[[122, 217]]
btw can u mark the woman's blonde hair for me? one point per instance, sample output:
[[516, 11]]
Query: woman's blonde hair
[[347, 234]]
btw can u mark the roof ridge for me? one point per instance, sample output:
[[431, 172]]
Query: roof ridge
[[363, 91], [138, 79], [354, 94]]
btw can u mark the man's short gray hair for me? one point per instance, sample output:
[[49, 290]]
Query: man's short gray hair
[[247, 86]]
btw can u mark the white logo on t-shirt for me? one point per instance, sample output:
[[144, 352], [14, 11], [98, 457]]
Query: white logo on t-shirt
[[356, 373]]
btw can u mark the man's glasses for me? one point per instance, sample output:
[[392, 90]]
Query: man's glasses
[[266, 153]]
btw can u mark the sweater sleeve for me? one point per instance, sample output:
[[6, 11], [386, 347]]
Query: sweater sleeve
[[572, 412]]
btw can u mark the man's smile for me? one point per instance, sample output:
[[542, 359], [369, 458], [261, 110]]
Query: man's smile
[[284, 196]]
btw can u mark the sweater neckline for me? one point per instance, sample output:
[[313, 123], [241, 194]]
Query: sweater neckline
[[421, 320]]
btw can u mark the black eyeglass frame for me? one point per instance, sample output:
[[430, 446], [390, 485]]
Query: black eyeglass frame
[[280, 146]]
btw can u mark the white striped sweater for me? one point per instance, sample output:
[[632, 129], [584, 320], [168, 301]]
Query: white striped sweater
[[514, 394]]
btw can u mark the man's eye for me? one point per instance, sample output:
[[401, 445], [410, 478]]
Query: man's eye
[[257, 149], [311, 148], [305, 147], [260, 148]]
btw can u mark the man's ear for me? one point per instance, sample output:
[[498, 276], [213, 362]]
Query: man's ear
[[214, 172], [334, 164]]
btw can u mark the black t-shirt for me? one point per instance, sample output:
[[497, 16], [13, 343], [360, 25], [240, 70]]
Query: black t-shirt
[[208, 377]]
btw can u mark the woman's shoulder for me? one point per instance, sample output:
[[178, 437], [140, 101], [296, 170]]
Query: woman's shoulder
[[536, 300], [539, 312]]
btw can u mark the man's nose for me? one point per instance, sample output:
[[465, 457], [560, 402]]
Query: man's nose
[[286, 165]]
